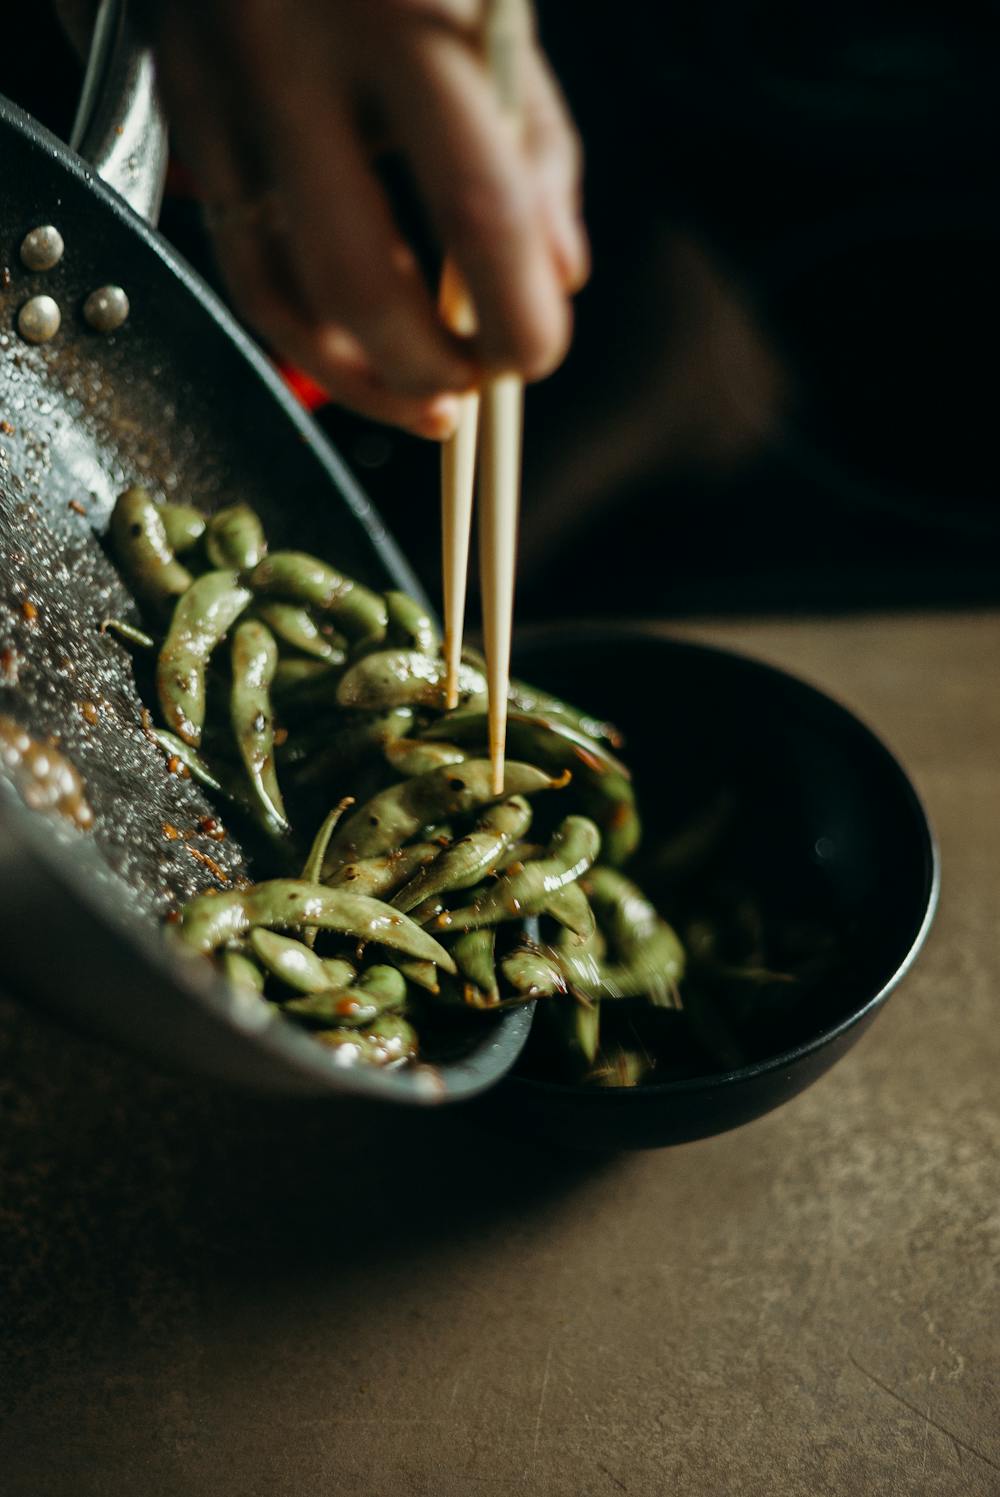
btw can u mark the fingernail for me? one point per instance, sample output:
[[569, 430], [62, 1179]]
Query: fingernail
[[574, 252]]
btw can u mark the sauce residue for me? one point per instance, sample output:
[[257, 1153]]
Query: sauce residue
[[45, 778]]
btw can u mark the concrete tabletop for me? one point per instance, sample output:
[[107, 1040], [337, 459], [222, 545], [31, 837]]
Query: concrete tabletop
[[206, 1294]]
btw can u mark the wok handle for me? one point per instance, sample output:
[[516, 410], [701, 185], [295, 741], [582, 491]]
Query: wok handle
[[119, 126]]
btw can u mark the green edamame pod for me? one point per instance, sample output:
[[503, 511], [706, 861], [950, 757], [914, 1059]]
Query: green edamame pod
[[235, 538], [351, 745], [211, 921], [388, 1042], [379, 990], [464, 863], [242, 971], [141, 545], [530, 972], [395, 815], [301, 578], [539, 887], [534, 702], [296, 626], [296, 966], [418, 974], [404, 678], [577, 1027], [128, 633], [183, 524], [380, 876], [474, 954], [410, 625], [411, 756], [651, 957], [201, 619], [255, 656]]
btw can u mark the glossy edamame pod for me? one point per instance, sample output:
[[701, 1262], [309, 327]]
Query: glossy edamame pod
[[210, 921], [530, 971], [410, 756], [313, 866], [602, 784], [301, 578], [128, 633], [531, 700], [184, 525], [296, 966], [201, 619], [235, 538], [379, 990], [242, 971], [474, 953], [418, 974], [541, 740], [296, 626], [577, 1027], [388, 1042], [380, 876], [254, 657], [297, 679], [535, 887], [404, 678], [651, 957], [352, 744], [395, 815], [140, 541], [464, 863], [409, 624]]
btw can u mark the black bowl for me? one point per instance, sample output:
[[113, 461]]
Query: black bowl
[[829, 827]]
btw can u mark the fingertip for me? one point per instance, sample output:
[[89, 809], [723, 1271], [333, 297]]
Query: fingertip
[[439, 420]]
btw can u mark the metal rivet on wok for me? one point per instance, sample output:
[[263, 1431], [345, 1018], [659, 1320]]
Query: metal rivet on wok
[[106, 309], [42, 248], [39, 319]]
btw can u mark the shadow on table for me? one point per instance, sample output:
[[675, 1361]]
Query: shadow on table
[[123, 1188]]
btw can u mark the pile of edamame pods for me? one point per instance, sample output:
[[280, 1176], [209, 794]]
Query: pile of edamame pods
[[305, 699]]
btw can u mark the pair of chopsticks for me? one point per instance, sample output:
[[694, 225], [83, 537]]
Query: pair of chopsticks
[[489, 428]]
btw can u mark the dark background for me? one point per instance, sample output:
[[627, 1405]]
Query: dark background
[[781, 394]]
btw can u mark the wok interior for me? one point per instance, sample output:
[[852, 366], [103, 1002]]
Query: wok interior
[[170, 402]]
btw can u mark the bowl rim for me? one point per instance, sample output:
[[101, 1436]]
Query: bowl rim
[[580, 634]]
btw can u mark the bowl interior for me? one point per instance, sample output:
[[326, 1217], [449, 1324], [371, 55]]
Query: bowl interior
[[824, 827]]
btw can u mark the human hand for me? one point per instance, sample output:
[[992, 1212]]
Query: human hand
[[275, 104]]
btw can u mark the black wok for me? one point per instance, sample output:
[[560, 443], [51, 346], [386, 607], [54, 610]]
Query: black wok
[[180, 400]]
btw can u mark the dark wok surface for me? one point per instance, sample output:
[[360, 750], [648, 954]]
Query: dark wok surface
[[181, 401]]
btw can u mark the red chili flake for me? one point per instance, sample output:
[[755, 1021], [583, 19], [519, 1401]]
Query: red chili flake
[[209, 863], [77, 507], [174, 765], [280, 736], [173, 917], [89, 713], [29, 610], [10, 667], [212, 828], [7, 429], [170, 832], [346, 1007], [146, 723]]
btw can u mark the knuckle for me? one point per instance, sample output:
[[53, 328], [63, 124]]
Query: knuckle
[[485, 213]]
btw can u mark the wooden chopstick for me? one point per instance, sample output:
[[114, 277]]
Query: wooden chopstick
[[458, 469], [507, 23], [499, 497], [499, 452]]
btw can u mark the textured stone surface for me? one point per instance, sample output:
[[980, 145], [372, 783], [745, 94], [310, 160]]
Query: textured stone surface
[[205, 1294]]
